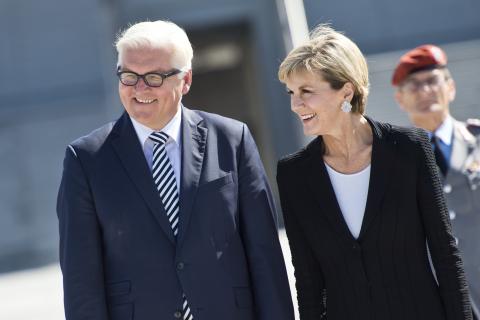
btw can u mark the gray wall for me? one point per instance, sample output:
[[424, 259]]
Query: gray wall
[[58, 83], [53, 90], [386, 25]]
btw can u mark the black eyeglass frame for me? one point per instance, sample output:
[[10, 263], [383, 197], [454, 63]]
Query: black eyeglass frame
[[143, 76]]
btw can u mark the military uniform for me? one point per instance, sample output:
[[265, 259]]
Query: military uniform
[[462, 191], [458, 160]]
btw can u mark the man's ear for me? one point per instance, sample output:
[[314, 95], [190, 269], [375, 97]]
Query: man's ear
[[399, 98], [452, 90], [187, 78]]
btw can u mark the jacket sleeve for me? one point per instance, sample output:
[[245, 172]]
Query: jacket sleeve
[[80, 245], [257, 219], [445, 254], [309, 281]]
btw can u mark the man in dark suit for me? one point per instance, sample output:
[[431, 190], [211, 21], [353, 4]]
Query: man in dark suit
[[424, 89], [167, 213]]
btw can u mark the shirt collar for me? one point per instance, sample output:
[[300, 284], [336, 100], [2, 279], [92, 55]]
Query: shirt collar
[[172, 128], [445, 131]]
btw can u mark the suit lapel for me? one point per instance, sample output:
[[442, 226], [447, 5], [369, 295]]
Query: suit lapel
[[129, 151], [321, 186], [319, 183], [382, 159], [193, 148]]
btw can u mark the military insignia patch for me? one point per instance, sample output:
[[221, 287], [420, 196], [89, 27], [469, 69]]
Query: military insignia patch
[[472, 171], [474, 167]]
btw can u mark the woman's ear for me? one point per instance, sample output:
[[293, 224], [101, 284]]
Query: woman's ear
[[348, 91]]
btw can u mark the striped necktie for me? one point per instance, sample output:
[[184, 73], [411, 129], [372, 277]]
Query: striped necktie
[[164, 178]]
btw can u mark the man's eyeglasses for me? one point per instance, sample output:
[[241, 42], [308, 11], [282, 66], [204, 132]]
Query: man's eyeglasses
[[433, 83], [151, 79]]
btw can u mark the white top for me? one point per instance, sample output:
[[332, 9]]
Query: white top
[[172, 146], [351, 191]]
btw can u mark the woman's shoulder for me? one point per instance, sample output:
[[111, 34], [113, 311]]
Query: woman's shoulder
[[292, 158], [299, 156], [402, 134], [409, 135], [290, 162]]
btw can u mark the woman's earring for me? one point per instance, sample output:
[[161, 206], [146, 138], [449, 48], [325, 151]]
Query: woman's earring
[[346, 106]]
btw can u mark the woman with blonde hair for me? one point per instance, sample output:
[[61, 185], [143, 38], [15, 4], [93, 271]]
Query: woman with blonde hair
[[363, 200]]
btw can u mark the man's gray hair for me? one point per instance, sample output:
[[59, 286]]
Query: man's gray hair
[[157, 34]]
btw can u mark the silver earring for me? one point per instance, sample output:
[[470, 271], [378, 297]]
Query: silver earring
[[346, 106]]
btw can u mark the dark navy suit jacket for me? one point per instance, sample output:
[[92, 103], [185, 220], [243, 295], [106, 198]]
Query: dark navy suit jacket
[[117, 251]]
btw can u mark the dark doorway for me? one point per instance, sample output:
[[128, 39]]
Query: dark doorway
[[225, 80]]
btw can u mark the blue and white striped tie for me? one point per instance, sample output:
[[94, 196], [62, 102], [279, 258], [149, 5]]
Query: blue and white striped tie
[[164, 178]]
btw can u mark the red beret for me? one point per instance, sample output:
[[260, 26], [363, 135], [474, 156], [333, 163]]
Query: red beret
[[421, 58]]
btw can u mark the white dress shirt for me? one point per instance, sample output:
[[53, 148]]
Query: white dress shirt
[[173, 145], [351, 191]]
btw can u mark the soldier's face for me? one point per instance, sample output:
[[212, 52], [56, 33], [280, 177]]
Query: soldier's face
[[426, 93]]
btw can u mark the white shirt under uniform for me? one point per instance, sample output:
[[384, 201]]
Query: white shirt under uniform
[[351, 191]]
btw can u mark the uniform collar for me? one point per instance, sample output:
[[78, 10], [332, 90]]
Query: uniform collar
[[445, 131]]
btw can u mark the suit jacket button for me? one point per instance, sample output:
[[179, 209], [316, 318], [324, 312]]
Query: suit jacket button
[[180, 266], [177, 314]]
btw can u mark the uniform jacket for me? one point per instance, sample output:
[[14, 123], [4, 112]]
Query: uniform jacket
[[119, 258], [384, 274], [462, 190]]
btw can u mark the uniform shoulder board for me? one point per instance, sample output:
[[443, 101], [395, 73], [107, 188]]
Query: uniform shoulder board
[[473, 125]]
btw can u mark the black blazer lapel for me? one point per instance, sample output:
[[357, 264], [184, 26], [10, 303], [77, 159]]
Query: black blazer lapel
[[194, 138], [126, 145], [381, 163], [319, 183]]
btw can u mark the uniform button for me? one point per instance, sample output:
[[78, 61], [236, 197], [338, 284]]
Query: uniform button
[[177, 314], [447, 188], [180, 266], [452, 214], [354, 246]]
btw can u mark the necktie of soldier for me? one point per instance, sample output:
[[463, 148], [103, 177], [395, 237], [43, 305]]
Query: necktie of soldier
[[164, 178], [439, 156]]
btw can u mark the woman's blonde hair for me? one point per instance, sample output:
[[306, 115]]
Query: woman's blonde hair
[[336, 58]]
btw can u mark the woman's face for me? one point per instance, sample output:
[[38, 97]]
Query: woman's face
[[316, 104]]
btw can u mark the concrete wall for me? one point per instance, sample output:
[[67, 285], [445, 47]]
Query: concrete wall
[[53, 90], [58, 83], [386, 25]]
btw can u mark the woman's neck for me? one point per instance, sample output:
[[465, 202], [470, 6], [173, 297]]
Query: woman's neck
[[349, 138]]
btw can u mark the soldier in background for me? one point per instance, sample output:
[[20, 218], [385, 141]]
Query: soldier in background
[[424, 90]]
